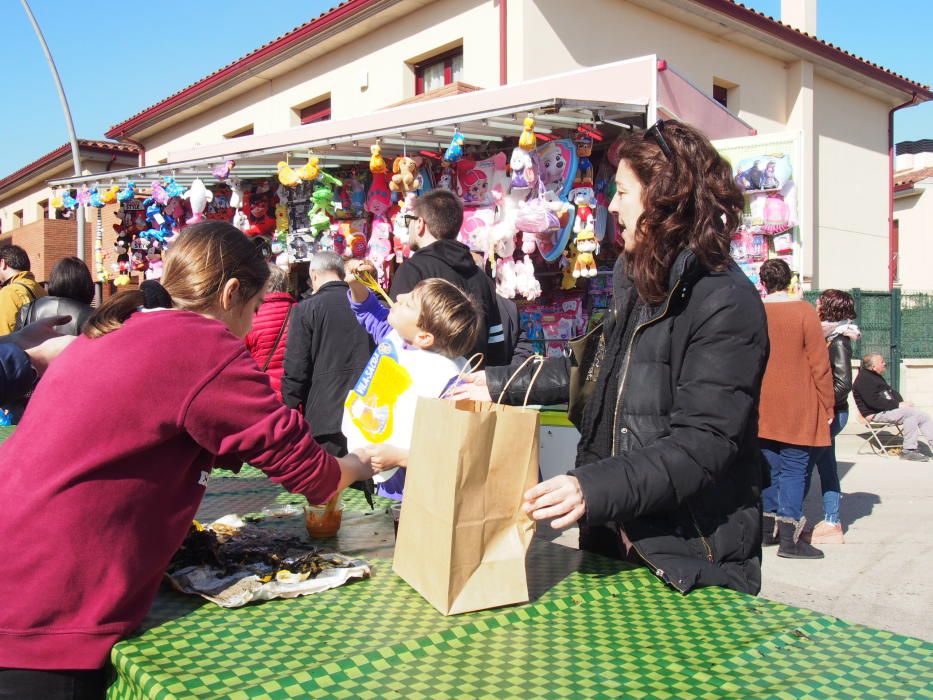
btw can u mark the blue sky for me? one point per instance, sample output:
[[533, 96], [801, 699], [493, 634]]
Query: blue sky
[[133, 54]]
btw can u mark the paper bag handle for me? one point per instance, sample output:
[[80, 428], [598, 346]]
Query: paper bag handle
[[472, 364], [540, 361]]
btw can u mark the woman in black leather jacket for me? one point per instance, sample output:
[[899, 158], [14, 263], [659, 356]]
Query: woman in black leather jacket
[[837, 311], [668, 469], [71, 291]]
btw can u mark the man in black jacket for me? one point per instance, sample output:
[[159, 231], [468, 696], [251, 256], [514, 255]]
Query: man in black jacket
[[877, 400], [433, 227], [325, 354]]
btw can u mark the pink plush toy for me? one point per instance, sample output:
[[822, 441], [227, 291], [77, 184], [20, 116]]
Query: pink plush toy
[[526, 283], [776, 215]]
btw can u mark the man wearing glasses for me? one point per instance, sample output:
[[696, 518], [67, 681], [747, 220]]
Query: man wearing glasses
[[433, 227]]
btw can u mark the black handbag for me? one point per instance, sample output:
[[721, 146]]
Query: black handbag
[[586, 354]]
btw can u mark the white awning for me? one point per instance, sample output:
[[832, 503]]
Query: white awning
[[625, 94]]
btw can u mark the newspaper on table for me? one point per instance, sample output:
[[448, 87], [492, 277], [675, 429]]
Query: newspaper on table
[[232, 563]]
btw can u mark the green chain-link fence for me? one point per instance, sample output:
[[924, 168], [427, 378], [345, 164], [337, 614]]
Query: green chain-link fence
[[893, 324]]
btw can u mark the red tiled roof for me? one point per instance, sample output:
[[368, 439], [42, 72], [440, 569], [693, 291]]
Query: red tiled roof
[[296, 35], [907, 178], [65, 150], [731, 8], [812, 43]]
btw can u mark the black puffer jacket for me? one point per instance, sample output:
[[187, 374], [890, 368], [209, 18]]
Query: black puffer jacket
[[684, 476], [840, 361], [326, 351]]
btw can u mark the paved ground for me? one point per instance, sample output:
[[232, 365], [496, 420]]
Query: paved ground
[[877, 577]]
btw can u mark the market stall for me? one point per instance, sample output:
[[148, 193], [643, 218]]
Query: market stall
[[595, 627], [530, 162]]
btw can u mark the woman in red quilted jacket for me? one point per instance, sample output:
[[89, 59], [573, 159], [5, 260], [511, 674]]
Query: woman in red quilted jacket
[[266, 342]]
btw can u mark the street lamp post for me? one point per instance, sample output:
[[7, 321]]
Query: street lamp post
[[75, 152]]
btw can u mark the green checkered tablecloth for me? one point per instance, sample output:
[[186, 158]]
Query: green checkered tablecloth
[[594, 628]]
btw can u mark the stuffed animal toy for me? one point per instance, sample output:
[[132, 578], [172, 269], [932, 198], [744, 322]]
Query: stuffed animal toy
[[446, 179], [310, 170], [322, 209], [241, 221], [287, 176], [96, 200], [525, 166], [558, 166], [256, 205], [567, 263], [109, 196], [236, 193], [506, 283], [585, 219], [584, 176], [69, 202], [776, 214], [528, 140], [379, 250], [159, 195], [84, 196], [222, 171], [454, 151], [140, 263], [376, 162], [154, 271], [526, 283], [127, 193], [587, 248], [405, 177], [198, 196], [281, 217], [172, 188]]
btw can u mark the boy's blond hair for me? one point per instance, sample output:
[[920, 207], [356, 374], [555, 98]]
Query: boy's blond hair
[[451, 315]]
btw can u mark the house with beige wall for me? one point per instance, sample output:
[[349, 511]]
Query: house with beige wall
[[365, 55], [913, 219]]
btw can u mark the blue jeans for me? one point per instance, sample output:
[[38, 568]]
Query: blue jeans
[[829, 472], [791, 466]]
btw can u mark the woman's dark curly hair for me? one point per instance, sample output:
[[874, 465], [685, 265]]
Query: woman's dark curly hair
[[836, 305], [691, 200]]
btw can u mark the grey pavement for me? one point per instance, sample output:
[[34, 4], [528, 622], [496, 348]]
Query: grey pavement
[[877, 577]]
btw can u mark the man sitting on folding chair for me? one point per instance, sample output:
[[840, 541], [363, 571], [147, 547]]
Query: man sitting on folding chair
[[878, 402]]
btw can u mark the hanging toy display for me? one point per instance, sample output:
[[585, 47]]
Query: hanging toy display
[[378, 203], [310, 170], [454, 151], [222, 171], [322, 210], [172, 188], [127, 193], [587, 248], [256, 205], [528, 141], [198, 196], [159, 195], [84, 196], [584, 176], [287, 176], [109, 196], [376, 162], [95, 200], [405, 177]]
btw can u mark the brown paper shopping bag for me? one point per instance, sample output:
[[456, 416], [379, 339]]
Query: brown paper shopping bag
[[463, 536]]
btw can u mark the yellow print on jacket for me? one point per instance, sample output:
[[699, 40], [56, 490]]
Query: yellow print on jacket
[[371, 402]]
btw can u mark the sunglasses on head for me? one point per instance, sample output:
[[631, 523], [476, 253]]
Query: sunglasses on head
[[656, 132]]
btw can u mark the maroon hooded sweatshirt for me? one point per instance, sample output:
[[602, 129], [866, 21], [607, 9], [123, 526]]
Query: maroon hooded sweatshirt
[[99, 489]]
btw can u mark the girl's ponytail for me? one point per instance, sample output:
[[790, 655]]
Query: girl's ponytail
[[112, 313]]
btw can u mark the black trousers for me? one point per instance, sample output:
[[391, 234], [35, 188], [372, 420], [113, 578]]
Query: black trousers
[[29, 684]]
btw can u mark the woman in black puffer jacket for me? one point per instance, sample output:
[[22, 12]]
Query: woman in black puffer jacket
[[837, 313], [668, 470], [71, 291]]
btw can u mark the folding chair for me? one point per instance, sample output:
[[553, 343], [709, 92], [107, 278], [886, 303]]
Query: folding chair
[[879, 440]]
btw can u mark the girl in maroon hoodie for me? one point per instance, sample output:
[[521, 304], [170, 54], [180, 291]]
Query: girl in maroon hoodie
[[97, 495], [266, 342]]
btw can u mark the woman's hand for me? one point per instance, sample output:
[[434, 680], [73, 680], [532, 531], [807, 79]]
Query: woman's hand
[[384, 457], [560, 498], [470, 387], [353, 468], [41, 342]]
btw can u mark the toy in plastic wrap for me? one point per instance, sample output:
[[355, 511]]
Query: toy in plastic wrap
[[322, 209], [454, 151], [380, 407], [478, 180], [763, 172], [256, 205], [776, 214], [525, 166], [558, 166]]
